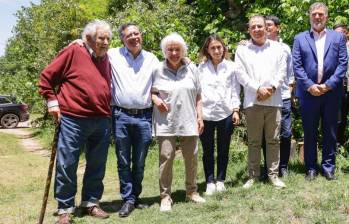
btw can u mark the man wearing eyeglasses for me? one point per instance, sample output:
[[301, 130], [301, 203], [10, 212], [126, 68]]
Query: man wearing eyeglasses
[[319, 64], [131, 112]]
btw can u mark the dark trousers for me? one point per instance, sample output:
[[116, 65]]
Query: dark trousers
[[342, 122], [132, 139], [314, 108], [224, 129]]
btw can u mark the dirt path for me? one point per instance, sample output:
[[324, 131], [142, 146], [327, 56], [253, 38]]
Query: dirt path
[[27, 140]]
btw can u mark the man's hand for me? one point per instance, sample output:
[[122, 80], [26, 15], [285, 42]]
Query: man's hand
[[263, 93], [200, 126], [323, 88], [243, 42], [160, 104], [236, 118], [315, 90], [56, 113], [77, 41]]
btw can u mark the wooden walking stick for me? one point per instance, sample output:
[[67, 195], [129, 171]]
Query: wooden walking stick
[[49, 174]]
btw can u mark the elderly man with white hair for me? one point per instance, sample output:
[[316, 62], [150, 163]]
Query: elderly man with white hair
[[176, 94], [76, 86]]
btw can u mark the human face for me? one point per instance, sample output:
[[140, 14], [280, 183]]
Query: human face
[[318, 19], [215, 50], [101, 43], [272, 30], [257, 30], [132, 39], [342, 30], [174, 55]]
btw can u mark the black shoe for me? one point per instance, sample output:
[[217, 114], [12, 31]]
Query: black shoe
[[126, 209], [329, 176], [311, 175], [283, 172], [140, 205]]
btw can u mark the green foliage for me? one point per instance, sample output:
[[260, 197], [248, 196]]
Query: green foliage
[[156, 21], [42, 30]]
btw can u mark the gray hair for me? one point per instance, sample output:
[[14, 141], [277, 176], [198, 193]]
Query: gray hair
[[317, 5], [91, 29], [173, 38]]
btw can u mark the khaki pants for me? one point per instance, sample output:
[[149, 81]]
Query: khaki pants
[[265, 118], [189, 145]]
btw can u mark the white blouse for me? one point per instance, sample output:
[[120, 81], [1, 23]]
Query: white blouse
[[220, 89]]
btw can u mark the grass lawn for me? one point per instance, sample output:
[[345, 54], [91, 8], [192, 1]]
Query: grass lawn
[[22, 179]]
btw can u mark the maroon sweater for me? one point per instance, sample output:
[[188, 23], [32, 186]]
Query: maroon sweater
[[80, 83]]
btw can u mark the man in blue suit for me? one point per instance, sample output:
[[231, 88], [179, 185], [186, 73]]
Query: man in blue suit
[[319, 63]]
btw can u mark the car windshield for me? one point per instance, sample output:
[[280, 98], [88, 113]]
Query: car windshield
[[7, 99]]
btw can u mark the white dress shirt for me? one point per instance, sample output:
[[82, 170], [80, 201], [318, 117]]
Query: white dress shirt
[[320, 39], [131, 78], [263, 66], [289, 78], [220, 89]]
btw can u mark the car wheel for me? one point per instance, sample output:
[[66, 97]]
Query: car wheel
[[9, 121]]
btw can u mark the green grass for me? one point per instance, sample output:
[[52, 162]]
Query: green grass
[[22, 178]]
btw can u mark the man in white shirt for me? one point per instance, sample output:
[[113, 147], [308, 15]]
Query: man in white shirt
[[264, 65], [273, 28], [132, 112]]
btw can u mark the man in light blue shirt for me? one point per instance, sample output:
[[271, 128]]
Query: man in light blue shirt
[[132, 112]]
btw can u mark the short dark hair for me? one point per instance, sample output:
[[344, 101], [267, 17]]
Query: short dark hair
[[273, 18], [124, 26], [343, 26]]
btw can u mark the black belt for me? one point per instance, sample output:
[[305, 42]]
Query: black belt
[[134, 111]]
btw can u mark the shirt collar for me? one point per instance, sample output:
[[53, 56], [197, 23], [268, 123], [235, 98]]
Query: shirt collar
[[90, 50], [221, 65], [315, 33], [127, 53], [184, 65], [251, 44]]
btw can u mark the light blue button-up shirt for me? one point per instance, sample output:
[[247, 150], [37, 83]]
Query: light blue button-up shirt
[[131, 78]]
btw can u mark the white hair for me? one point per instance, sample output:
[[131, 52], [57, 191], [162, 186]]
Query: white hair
[[91, 29], [173, 38]]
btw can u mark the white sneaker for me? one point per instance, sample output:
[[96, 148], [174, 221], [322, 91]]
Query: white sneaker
[[195, 197], [220, 186], [210, 189], [276, 182], [166, 204], [249, 183]]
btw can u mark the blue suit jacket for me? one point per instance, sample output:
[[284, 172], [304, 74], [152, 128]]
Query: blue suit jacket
[[305, 62]]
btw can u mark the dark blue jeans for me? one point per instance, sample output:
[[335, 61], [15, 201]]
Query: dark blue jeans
[[342, 122], [224, 130], [76, 133], [132, 137], [285, 133]]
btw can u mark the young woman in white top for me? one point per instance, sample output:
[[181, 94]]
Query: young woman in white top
[[221, 103]]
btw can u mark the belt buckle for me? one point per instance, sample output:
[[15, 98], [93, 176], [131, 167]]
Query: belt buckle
[[133, 111]]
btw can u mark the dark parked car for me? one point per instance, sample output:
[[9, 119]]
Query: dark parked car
[[12, 112]]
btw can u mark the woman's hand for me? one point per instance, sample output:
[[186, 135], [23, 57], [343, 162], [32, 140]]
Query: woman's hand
[[236, 118]]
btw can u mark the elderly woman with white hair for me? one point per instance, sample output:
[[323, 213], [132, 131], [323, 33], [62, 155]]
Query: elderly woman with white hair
[[176, 94]]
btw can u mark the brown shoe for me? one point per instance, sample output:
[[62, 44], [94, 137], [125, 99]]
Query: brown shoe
[[97, 212], [64, 218]]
